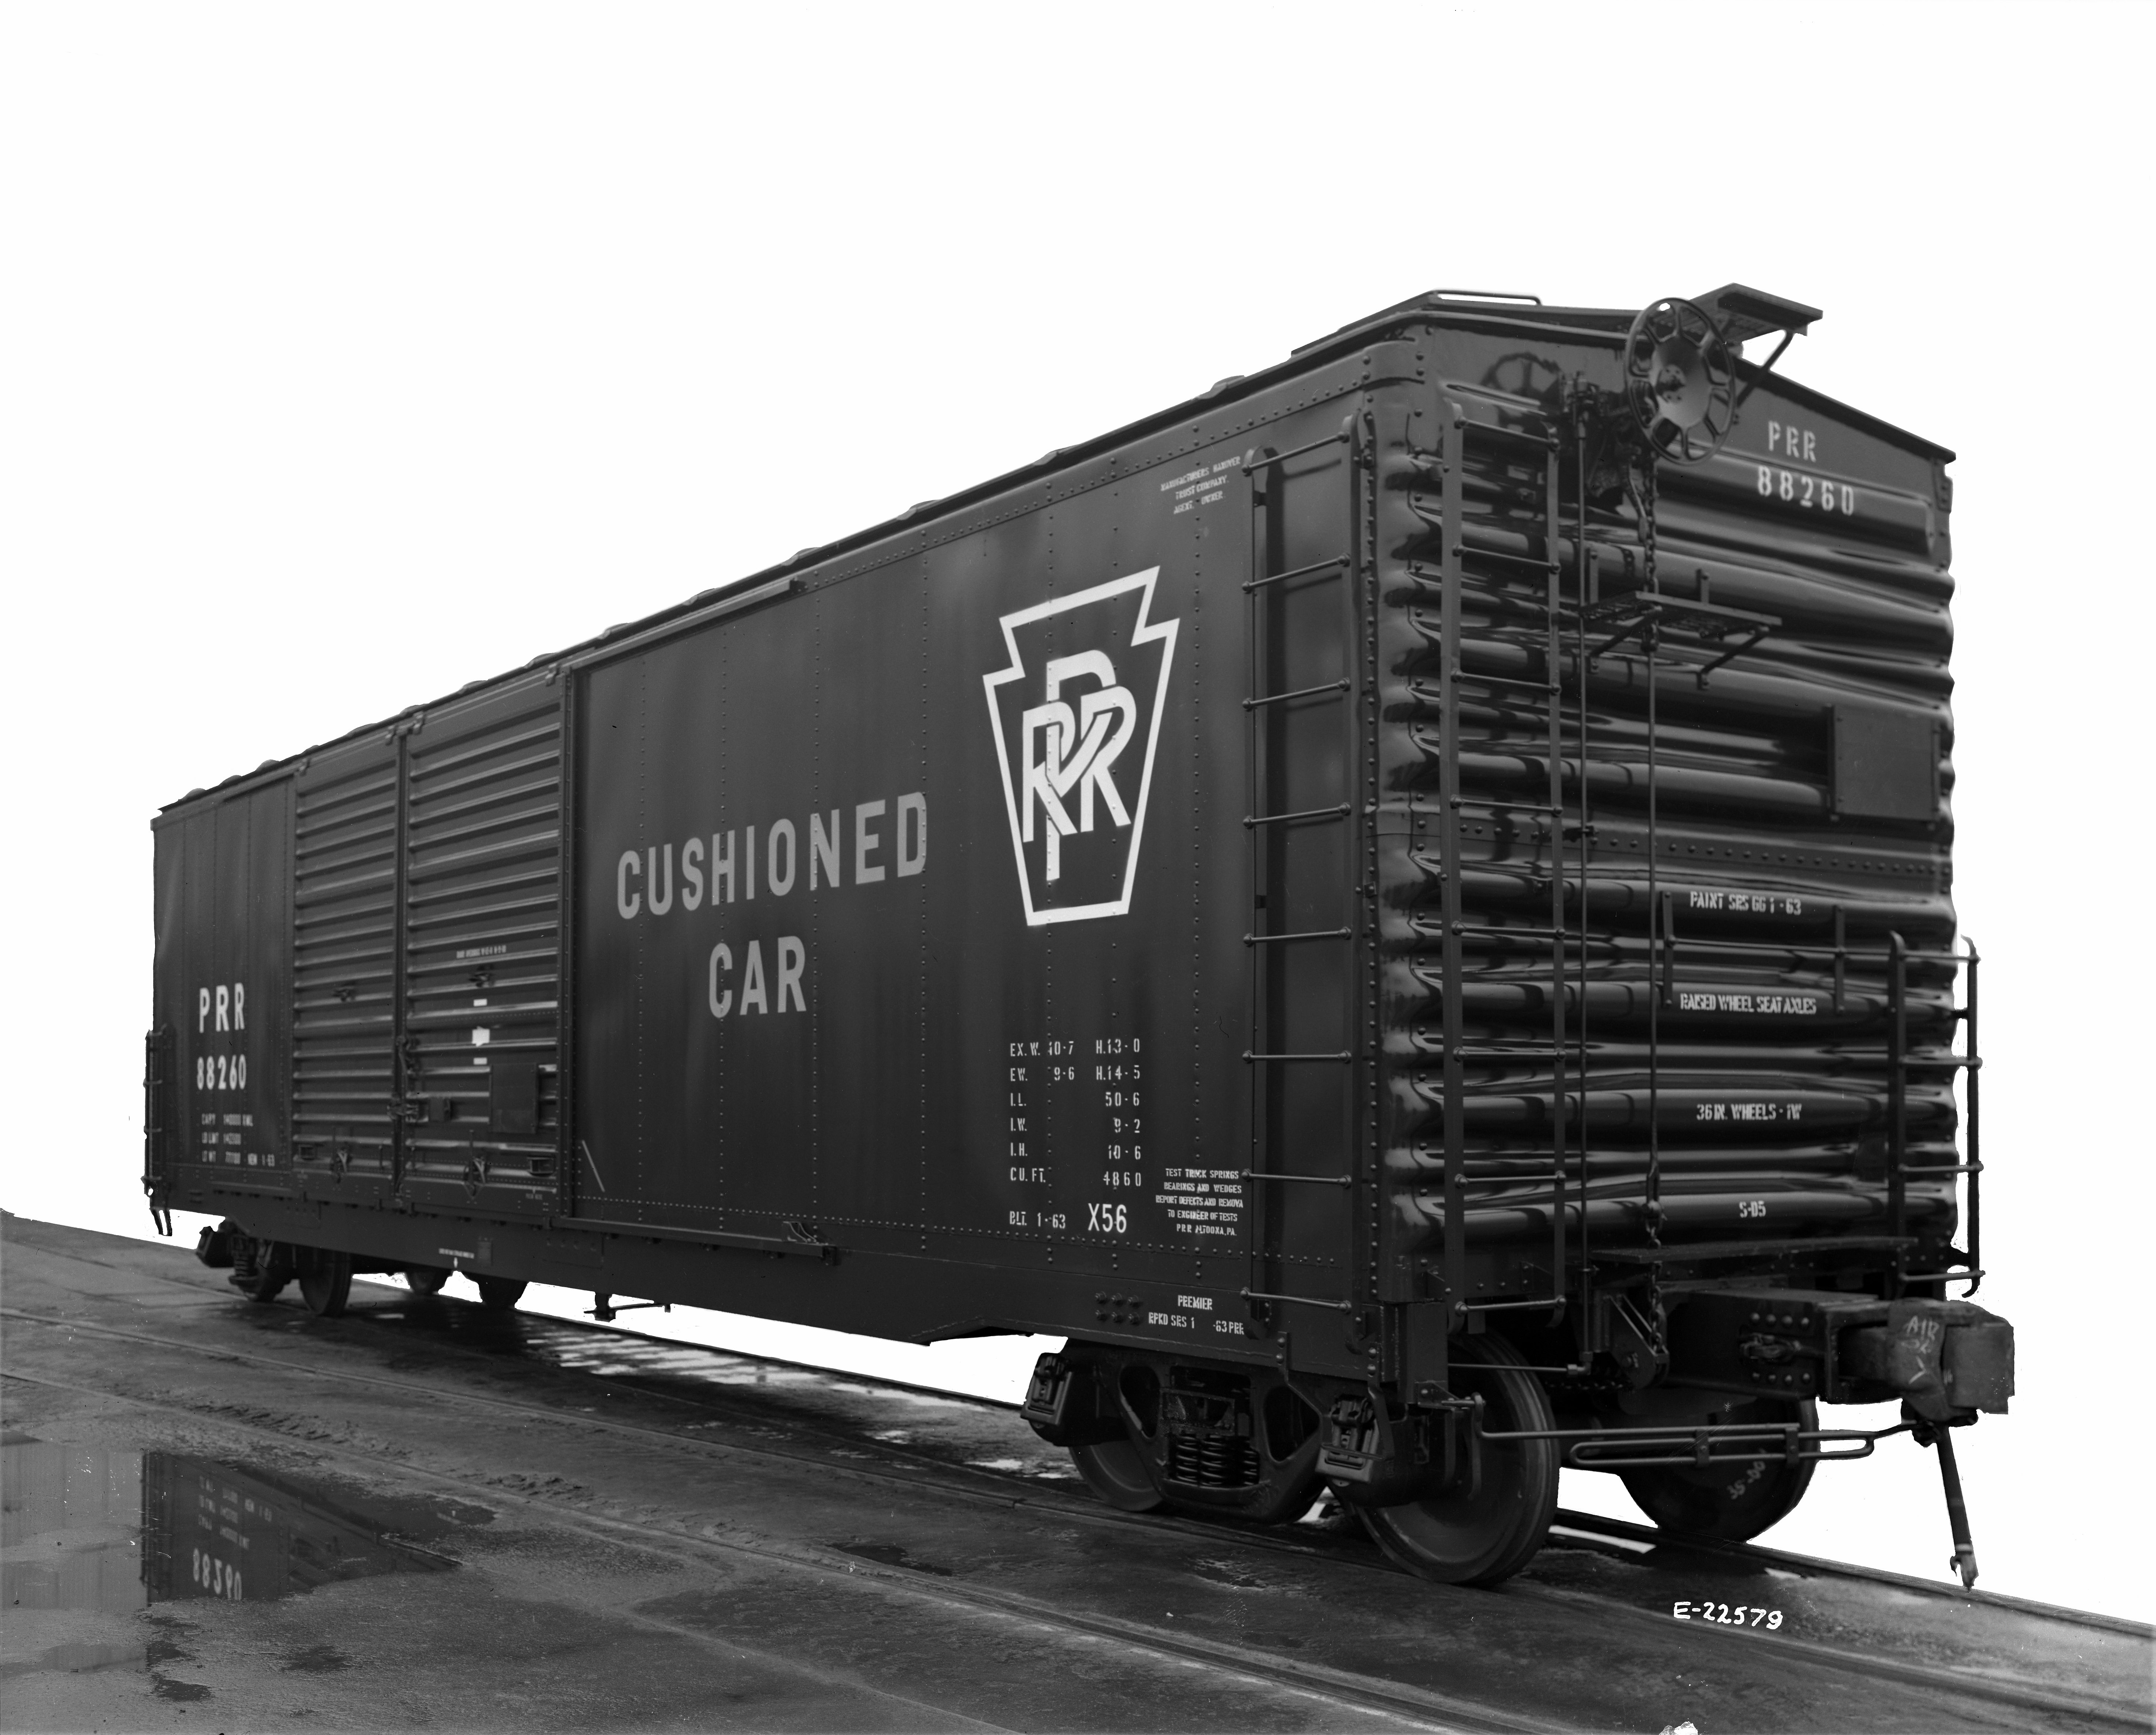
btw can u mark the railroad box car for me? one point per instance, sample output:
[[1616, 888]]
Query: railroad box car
[[1404, 907]]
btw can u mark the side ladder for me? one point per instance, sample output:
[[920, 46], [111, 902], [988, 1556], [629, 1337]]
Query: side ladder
[[1303, 717], [1537, 628]]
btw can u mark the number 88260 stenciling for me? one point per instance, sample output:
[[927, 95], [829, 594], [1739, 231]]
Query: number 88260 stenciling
[[220, 1072], [1799, 489]]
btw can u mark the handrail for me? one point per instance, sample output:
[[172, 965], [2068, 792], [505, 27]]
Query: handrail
[[1897, 1106]]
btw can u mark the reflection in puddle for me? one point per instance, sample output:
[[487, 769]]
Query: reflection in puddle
[[948, 1425], [613, 1355], [70, 1529], [115, 1532]]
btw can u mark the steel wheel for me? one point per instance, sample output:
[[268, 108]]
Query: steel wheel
[[1456, 1539], [1116, 1471], [261, 1269], [1730, 1502], [325, 1281], [425, 1280], [500, 1293]]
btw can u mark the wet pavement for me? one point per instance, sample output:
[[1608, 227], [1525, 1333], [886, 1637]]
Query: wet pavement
[[425, 1515], [92, 1532]]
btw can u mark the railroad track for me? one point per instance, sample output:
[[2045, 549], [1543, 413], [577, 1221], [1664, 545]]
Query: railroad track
[[895, 1465]]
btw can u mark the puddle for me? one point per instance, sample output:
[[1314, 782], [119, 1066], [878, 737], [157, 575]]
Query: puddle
[[890, 1554], [618, 1354], [79, 1659], [948, 1426], [114, 1532]]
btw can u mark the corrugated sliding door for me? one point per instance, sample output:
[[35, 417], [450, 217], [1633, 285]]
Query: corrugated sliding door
[[482, 952], [344, 969]]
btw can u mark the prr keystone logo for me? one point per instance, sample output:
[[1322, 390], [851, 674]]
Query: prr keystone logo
[[1077, 717]]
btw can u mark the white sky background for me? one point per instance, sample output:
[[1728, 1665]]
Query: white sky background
[[349, 353]]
